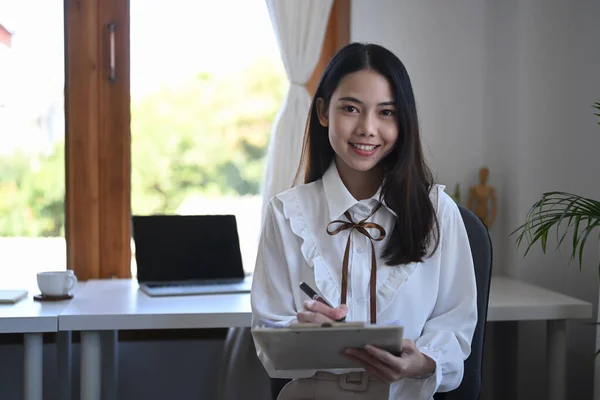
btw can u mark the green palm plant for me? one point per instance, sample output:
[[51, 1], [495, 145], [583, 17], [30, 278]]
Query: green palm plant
[[566, 212], [561, 210]]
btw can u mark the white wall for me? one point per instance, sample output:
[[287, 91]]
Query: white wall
[[446, 73], [508, 84], [556, 147]]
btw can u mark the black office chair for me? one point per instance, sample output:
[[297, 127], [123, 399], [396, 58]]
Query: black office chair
[[481, 250]]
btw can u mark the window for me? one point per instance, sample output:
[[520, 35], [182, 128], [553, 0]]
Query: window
[[206, 86], [32, 139], [66, 150]]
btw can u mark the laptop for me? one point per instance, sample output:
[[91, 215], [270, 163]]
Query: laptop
[[180, 255]]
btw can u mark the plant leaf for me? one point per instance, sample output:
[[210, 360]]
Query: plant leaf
[[559, 210], [575, 236], [588, 229]]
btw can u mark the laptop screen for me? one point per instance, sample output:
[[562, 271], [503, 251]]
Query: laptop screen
[[186, 247]]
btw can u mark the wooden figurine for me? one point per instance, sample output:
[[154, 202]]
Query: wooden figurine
[[482, 199]]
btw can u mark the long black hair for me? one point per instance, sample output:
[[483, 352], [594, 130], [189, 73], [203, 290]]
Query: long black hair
[[407, 179]]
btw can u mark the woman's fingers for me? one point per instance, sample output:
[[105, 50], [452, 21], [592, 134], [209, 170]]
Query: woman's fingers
[[386, 357], [333, 314], [310, 316], [373, 364]]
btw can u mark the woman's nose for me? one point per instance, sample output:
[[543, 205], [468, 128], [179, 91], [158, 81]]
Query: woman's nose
[[367, 125]]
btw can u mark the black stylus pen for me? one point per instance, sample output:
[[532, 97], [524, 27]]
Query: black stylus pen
[[315, 296]]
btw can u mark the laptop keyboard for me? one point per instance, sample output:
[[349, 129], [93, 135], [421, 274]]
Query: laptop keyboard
[[195, 283], [193, 288]]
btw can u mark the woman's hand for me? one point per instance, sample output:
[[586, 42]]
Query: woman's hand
[[389, 368], [315, 311]]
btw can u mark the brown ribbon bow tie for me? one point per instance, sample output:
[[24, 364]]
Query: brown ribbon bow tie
[[361, 227]]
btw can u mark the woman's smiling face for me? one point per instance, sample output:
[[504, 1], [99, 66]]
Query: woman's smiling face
[[361, 120]]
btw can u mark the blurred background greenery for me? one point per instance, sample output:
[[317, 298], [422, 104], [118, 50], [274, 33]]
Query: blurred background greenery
[[206, 135]]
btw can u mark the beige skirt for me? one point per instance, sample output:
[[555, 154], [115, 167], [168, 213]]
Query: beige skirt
[[326, 386]]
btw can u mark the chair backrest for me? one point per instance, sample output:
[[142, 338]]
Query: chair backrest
[[481, 249]]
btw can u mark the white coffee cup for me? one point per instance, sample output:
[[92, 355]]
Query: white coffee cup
[[56, 283]]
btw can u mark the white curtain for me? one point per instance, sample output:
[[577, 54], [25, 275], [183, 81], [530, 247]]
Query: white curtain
[[299, 26]]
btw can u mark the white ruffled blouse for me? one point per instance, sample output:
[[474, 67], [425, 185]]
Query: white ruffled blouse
[[434, 300]]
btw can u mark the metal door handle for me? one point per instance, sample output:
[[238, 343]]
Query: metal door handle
[[112, 75]]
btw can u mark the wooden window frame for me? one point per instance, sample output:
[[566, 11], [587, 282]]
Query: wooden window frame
[[337, 35], [98, 136], [97, 140]]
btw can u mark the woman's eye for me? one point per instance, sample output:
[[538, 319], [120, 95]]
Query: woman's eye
[[387, 113], [350, 109]]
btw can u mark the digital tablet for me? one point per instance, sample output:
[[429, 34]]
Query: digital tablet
[[314, 346], [12, 296]]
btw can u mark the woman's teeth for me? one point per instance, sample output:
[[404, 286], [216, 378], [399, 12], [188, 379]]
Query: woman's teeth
[[364, 147]]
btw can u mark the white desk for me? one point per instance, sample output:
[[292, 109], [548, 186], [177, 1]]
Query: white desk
[[112, 305], [513, 301], [32, 319], [118, 305], [107, 306]]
